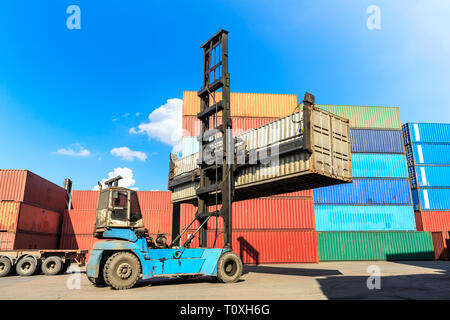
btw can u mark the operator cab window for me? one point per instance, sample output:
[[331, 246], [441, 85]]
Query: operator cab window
[[120, 200], [119, 205]]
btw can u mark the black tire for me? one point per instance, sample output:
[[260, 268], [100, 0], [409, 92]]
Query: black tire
[[229, 267], [5, 266], [97, 281], [122, 270], [52, 266], [26, 267]]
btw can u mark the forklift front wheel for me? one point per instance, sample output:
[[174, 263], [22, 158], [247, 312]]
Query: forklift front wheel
[[229, 267], [122, 270]]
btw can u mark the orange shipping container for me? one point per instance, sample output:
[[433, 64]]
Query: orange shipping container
[[432, 220], [262, 105], [27, 240], [440, 243], [19, 216], [25, 186]]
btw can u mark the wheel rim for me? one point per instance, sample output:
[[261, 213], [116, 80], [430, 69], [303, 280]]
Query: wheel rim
[[26, 266], [51, 266], [230, 268], [124, 270], [2, 266]]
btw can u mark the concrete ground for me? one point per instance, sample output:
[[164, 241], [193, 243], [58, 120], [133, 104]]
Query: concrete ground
[[326, 280]]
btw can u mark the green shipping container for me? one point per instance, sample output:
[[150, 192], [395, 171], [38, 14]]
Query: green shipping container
[[378, 245], [367, 117]]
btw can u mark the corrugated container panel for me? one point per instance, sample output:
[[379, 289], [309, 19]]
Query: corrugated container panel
[[155, 200], [426, 132], [366, 191], [25, 186], [396, 245], [78, 222], [269, 246], [157, 221], [29, 240], [78, 242], [374, 165], [440, 244], [263, 213], [364, 218], [431, 199], [429, 176], [19, 216], [7, 240], [9, 215], [261, 105], [192, 128], [84, 199], [297, 194], [376, 141], [189, 146], [433, 220], [429, 154], [365, 117]]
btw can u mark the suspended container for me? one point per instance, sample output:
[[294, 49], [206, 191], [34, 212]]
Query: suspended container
[[364, 218], [366, 192], [395, 245], [309, 155], [376, 141]]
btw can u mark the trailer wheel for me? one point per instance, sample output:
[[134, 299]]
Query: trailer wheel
[[229, 267], [52, 266], [122, 270], [26, 266], [5, 266]]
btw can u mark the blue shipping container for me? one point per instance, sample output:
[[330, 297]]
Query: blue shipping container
[[373, 165], [366, 191], [426, 132], [431, 199], [364, 218], [428, 153], [376, 141], [429, 176]]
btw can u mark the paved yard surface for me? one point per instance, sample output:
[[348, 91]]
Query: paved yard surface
[[331, 280]]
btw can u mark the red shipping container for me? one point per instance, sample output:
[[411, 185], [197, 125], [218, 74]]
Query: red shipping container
[[432, 220], [25, 186], [78, 242], [27, 240], [268, 246], [297, 194], [262, 213], [19, 216], [440, 243], [84, 200], [191, 124]]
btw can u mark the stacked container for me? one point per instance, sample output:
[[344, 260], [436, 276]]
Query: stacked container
[[373, 217], [428, 153], [31, 210], [265, 230], [78, 223]]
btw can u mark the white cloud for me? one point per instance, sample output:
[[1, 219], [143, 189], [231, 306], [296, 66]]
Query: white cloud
[[165, 124], [127, 154], [74, 150], [127, 180]]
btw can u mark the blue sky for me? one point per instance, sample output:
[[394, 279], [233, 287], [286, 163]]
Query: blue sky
[[68, 98]]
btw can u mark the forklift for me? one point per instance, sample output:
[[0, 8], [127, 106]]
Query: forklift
[[129, 252]]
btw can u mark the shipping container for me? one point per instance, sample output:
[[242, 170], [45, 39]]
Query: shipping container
[[269, 246], [432, 220], [365, 117], [328, 164], [19, 216], [260, 105], [428, 154], [366, 191], [426, 132], [431, 199], [191, 124], [25, 186], [364, 218], [377, 165], [27, 240], [441, 244], [78, 241], [84, 199], [395, 245], [189, 146], [376, 141], [429, 176], [263, 213]]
